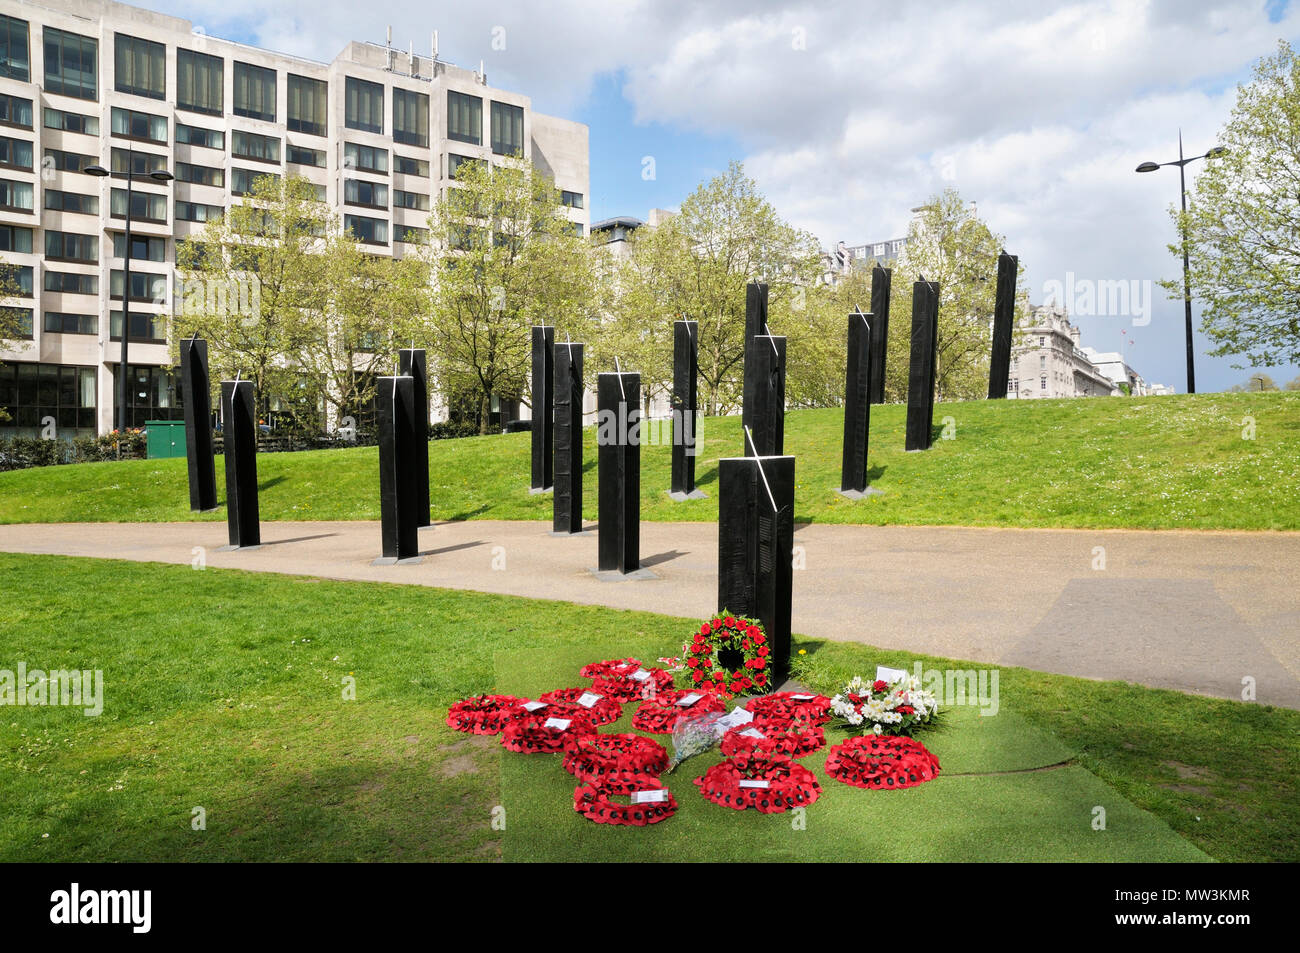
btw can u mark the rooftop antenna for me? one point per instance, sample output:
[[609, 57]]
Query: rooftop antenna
[[433, 44], [410, 58]]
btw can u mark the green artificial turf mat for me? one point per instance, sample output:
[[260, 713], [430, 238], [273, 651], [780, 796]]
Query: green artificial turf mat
[[998, 798]]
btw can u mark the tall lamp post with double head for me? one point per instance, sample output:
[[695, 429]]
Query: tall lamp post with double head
[[1182, 163], [157, 175]]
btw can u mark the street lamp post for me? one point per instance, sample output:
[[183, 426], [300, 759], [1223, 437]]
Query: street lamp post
[[1182, 163], [158, 175]]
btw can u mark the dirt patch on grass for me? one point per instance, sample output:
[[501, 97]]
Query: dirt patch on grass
[[463, 756]]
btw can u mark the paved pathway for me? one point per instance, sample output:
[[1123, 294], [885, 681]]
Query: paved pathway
[[1196, 611]]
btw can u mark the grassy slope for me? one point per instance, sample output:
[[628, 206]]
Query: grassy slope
[[1162, 462], [213, 701]]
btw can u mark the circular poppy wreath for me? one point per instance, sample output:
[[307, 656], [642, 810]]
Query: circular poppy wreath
[[605, 711], [613, 761], [881, 762], [529, 734], [815, 709], [622, 687], [483, 714], [780, 736], [593, 801], [613, 666], [789, 784], [729, 655], [659, 715]]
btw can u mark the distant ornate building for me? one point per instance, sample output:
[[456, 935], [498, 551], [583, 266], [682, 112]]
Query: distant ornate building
[[1049, 362]]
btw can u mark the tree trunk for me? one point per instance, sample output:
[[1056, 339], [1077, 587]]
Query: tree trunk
[[484, 411]]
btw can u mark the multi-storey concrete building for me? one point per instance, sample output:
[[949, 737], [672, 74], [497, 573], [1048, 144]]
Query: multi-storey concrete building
[[379, 131], [1049, 361]]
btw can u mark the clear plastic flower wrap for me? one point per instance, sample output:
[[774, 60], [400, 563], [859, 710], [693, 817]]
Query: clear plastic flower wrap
[[696, 734]]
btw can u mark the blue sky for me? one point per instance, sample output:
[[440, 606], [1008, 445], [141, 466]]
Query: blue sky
[[848, 114]]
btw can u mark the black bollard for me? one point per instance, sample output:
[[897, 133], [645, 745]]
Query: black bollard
[[398, 496], [239, 429], [543, 473], [880, 279], [764, 411], [567, 500], [197, 398], [921, 367], [857, 406], [618, 430], [686, 370], [1004, 312], [413, 363], [756, 547]]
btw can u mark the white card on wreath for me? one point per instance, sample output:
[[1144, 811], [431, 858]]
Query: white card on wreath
[[686, 701], [534, 706], [559, 724], [640, 675], [738, 716], [803, 698], [889, 675], [649, 797], [750, 783], [589, 699], [752, 733]]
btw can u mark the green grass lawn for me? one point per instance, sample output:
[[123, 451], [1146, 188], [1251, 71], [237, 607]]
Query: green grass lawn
[[223, 690], [1160, 462]]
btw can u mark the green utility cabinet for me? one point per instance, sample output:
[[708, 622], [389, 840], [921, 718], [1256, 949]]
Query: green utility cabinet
[[165, 438]]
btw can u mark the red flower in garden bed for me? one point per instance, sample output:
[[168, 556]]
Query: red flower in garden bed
[[769, 783], [882, 762], [658, 715]]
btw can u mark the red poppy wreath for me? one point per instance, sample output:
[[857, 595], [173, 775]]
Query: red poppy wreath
[[649, 802], [617, 762], [882, 762], [729, 655], [658, 715], [629, 685], [774, 736], [815, 709], [483, 714], [613, 666], [770, 783], [545, 731], [601, 709]]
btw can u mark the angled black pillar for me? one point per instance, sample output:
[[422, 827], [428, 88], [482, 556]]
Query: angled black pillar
[[686, 370], [395, 418], [921, 365], [880, 279], [567, 499], [196, 395], [413, 363], [765, 396], [239, 429], [618, 429], [756, 546], [1004, 310], [755, 324], [857, 404], [543, 474]]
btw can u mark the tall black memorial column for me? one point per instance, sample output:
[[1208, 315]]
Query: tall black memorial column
[[196, 395], [543, 474], [756, 546], [413, 363], [755, 324], [880, 280], [567, 500], [857, 404], [396, 413], [618, 402], [921, 366], [686, 370], [764, 412], [239, 429], [1004, 310]]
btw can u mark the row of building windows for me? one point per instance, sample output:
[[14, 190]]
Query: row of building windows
[[34, 394], [139, 68]]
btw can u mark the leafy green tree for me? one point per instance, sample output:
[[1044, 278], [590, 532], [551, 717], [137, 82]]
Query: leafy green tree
[[1256, 383], [1243, 222], [948, 243], [695, 266], [502, 256]]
